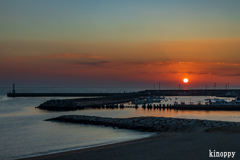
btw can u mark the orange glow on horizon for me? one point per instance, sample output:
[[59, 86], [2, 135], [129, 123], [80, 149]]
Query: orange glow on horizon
[[129, 64]]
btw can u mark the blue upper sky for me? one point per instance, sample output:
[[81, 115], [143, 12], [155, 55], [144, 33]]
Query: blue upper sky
[[111, 20]]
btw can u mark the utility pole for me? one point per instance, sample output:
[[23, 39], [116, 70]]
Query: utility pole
[[214, 85], [179, 86], [13, 91], [154, 86], [206, 87], [159, 85]]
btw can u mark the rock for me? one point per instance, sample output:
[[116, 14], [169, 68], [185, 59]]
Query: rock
[[156, 122], [152, 124]]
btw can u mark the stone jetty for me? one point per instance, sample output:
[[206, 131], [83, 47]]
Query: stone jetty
[[82, 103], [150, 124]]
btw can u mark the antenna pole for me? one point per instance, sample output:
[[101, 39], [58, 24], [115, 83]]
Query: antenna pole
[[13, 91]]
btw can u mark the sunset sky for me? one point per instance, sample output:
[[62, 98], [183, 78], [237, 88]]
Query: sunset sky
[[110, 43]]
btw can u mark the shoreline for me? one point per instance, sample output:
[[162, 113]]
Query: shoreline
[[166, 130], [86, 149], [193, 144], [152, 134]]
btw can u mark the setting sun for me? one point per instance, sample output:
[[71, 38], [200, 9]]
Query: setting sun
[[185, 80]]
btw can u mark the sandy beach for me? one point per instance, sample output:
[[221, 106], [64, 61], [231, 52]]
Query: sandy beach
[[192, 144]]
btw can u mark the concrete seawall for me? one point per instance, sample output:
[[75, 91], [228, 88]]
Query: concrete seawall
[[207, 107], [150, 124], [65, 94], [190, 92]]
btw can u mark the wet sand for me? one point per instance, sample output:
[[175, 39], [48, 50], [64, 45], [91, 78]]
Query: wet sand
[[193, 144]]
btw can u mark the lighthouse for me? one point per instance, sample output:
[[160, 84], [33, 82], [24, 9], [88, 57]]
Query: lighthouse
[[13, 91]]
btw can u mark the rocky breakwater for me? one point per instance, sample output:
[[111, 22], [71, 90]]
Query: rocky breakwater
[[56, 104], [81, 103], [150, 124]]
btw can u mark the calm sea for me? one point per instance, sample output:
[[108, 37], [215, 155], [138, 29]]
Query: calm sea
[[24, 133]]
